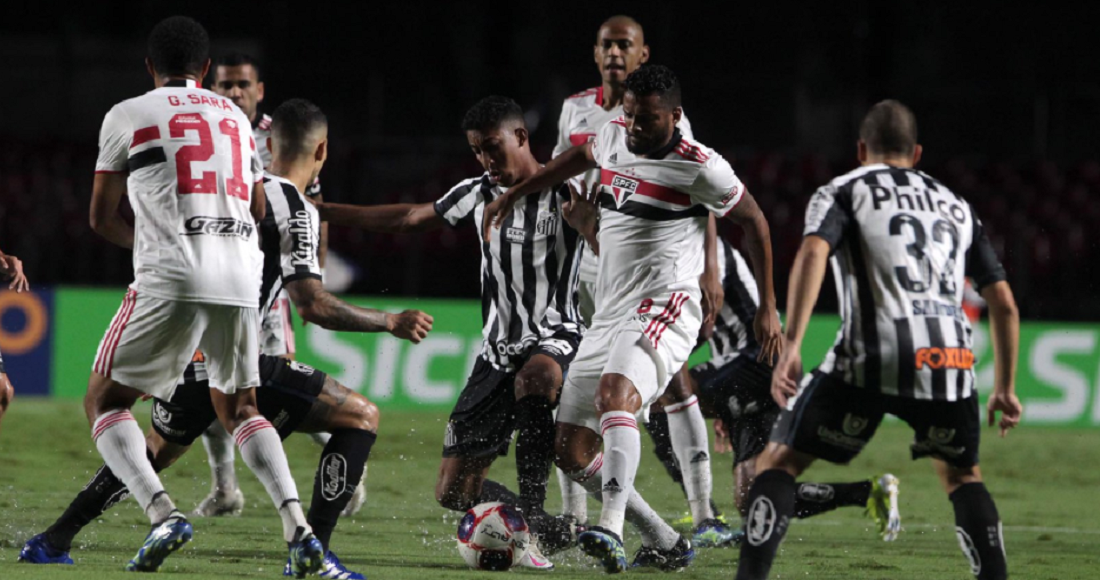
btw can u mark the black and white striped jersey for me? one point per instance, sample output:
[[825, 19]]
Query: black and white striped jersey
[[902, 245], [733, 333], [528, 269]]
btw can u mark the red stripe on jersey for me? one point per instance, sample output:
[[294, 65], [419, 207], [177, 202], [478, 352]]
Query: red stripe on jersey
[[619, 121], [691, 152], [598, 91], [580, 138], [145, 135], [658, 192], [599, 95]]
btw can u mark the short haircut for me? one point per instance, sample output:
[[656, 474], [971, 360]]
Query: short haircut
[[491, 113], [655, 79], [179, 46], [239, 59], [292, 123], [889, 128]]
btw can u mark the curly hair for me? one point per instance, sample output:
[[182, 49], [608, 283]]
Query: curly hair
[[655, 79], [293, 122], [179, 46], [492, 112]]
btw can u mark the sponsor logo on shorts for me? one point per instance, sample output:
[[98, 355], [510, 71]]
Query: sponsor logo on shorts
[[945, 358], [816, 492], [941, 435], [556, 346], [217, 226], [933, 449], [515, 235], [970, 551], [839, 439], [301, 368], [739, 409], [162, 418], [761, 521], [280, 419], [334, 475], [854, 424]]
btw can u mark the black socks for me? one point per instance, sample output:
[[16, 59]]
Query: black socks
[[534, 450], [771, 504], [339, 473], [979, 530], [817, 498]]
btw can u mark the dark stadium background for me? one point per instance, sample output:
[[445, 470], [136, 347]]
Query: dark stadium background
[[1008, 99]]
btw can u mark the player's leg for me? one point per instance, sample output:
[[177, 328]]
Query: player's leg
[[950, 432], [536, 391], [7, 391], [225, 497], [827, 419], [231, 344]]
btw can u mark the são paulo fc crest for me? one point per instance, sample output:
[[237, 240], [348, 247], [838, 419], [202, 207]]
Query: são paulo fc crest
[[621, 188]]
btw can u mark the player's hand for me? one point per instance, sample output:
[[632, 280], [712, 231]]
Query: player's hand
[[769, 335], [713, 296], [495, 213], [1010, 409], [12, 266], [411, 325], [787, 375], [721, 438], [580, 211]]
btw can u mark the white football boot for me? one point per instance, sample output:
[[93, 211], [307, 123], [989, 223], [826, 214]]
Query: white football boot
[[882, 506], [534, 560]]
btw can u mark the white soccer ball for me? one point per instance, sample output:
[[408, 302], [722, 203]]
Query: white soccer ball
[[493, 536]]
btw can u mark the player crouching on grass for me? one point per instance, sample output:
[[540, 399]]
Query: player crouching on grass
[[295, 397]]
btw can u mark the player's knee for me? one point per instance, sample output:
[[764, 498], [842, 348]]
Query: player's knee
[[952, 477], [448, 494], [7, 393], [358, 412], [617, 395], [535, 382], [782, 457]]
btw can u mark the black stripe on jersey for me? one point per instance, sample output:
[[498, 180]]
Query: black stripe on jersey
[[742, 303], [565, 290], [935, 340], [530, 281], [270, 282], [295, 204], [515, 325], [960, 374], [907, 358], [150, 156], [649, 212], [872, 364]]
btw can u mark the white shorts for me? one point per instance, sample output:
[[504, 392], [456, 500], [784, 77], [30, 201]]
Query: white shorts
[[151, 341], [586, 301], [277, 338], [648, 348]]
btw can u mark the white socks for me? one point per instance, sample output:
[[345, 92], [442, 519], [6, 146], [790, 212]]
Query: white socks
[[688, 431], [120, 442], [262, 451], [622, 451], [574, 498], [220, 454], [654, 531]]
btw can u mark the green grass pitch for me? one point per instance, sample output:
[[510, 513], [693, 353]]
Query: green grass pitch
[[1044, 481]]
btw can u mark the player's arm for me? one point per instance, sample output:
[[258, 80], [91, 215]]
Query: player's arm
[[12, 267], [573, 161], [107, 192], [758, 245], [1004, 322], [581, 214], [807, 274], [396, 218], [318, 306], [258, 204], [710, 283]]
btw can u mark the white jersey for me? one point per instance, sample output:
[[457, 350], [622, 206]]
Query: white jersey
[[192, 164], [653, 218], [902, 245], [581, 116]]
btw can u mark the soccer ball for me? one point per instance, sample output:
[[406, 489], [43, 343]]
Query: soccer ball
[[493, 536]]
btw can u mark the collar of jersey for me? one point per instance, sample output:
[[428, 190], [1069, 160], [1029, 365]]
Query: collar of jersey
[[183, 83], [672, 144], [269, 175]]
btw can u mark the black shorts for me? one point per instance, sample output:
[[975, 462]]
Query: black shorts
[[739, 392], [286, 395], [833, 420], [483, 420]]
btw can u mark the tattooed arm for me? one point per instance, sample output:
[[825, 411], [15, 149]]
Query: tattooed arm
[[320, 307]]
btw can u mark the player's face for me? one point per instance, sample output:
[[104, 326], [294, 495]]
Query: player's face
[[649, 122], [241, 85], [620, 50], [498, 152]]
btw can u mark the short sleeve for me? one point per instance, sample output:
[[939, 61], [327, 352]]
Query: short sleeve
[[563, 143], [717, 187], [828, 215], [459, 203], [982, 264], [114, 142]]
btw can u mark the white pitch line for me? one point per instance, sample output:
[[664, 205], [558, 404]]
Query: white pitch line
[[905, 526]]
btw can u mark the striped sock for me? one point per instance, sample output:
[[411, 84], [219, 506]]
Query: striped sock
[[622, 452], [120, 442], [262, 451]]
